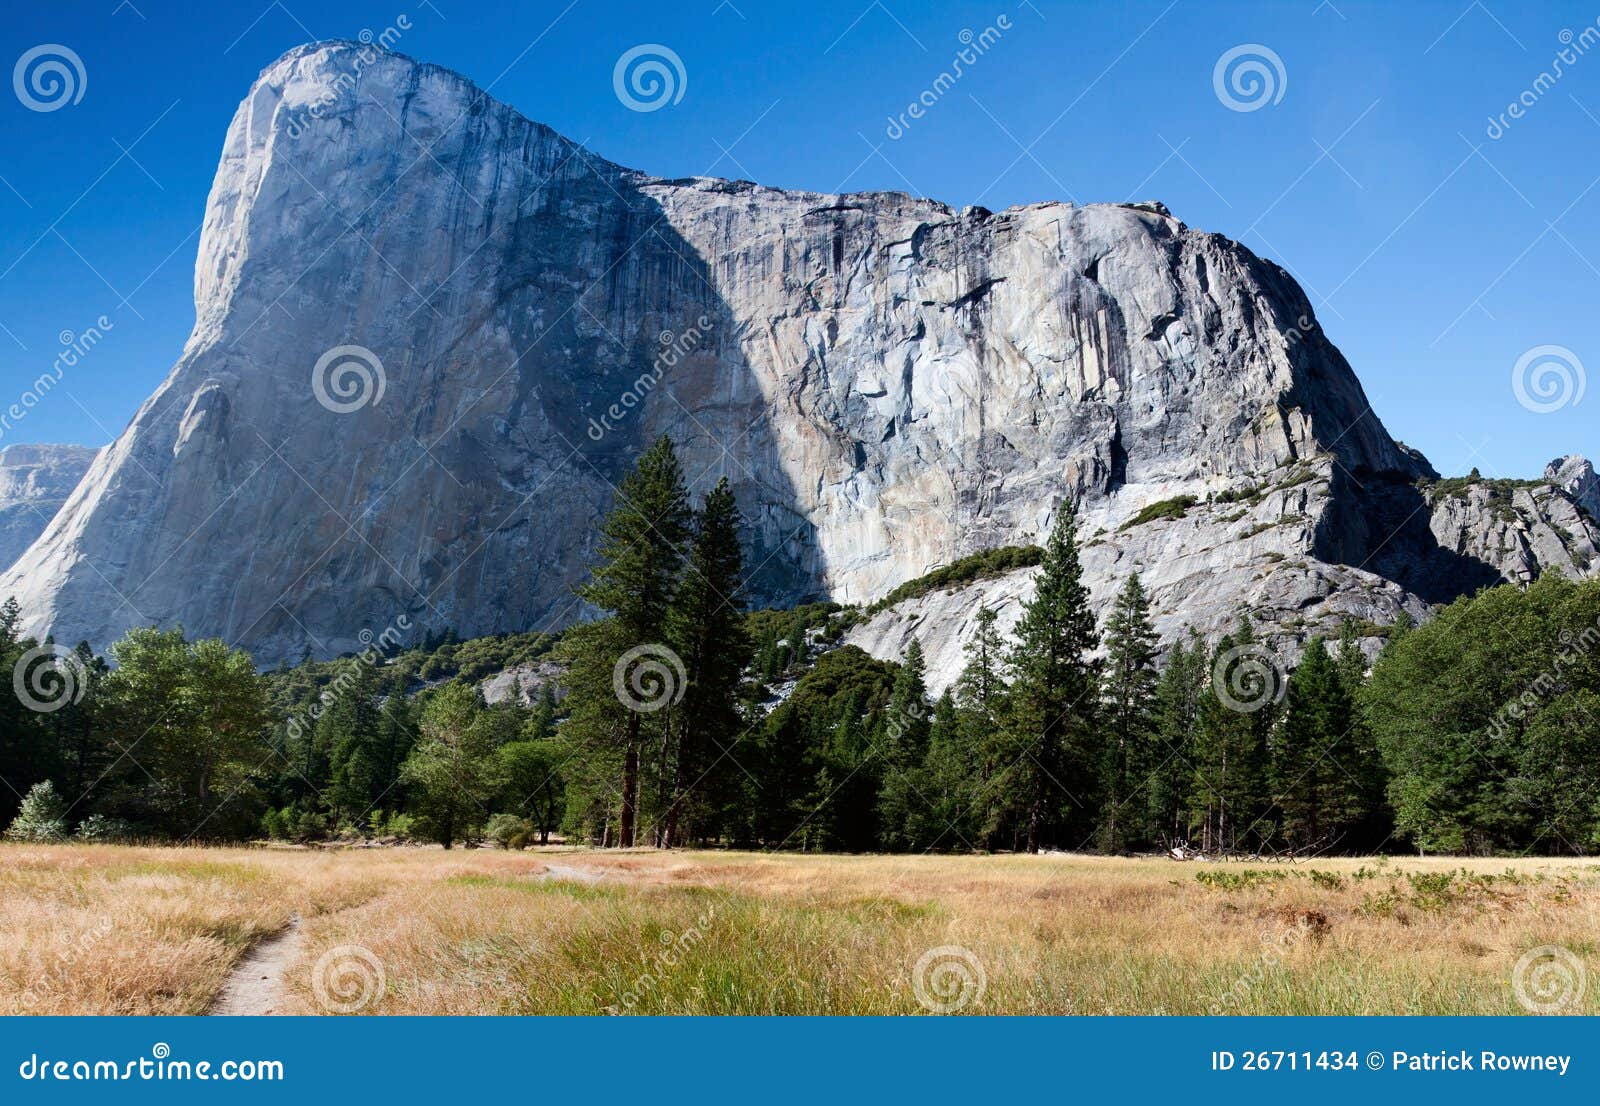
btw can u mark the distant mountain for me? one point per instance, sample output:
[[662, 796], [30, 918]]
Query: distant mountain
[[35, 480], [431, 334]]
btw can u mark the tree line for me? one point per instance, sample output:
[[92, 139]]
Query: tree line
[[678, 717]]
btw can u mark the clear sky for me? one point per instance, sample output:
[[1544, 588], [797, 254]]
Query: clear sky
[[1435, 253]]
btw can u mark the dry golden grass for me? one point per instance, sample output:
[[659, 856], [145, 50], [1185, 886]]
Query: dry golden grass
[[134, 930]]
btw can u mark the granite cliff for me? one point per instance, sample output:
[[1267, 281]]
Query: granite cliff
[[430, 334]]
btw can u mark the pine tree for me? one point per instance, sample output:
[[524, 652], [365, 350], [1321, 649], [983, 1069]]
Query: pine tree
[[707, 627], [1052, 698], [902, 802], [640, 556], [1230, 790], [348, 730], [41, 817], [1128, 715], [1315, 795], [1358, 751], [1177, 708], [981, 710]]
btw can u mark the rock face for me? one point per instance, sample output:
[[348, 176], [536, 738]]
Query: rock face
[[1576, 477], [35, 480], [888, 383]]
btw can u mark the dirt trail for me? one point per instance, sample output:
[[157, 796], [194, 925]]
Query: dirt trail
[[256, 986]]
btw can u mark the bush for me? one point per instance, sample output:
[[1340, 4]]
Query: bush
[[42, 816], [97, 827], [310, 826], [1174, 508], [503, 827], [979, 566], [400, 825], [272, 824]]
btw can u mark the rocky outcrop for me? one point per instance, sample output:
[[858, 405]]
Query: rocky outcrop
[[889, 384], [1576, 477], [1520, 532], [35, 480]]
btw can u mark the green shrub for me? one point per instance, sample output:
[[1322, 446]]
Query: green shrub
[[400, 825], [1174, 508], [97, 827], [42, 816], [501, 828], [979, 566]]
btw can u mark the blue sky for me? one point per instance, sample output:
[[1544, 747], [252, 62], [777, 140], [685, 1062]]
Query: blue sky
[[1435, 254]]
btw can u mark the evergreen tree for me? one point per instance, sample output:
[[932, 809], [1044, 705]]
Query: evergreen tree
[[1052, 699], [1128, 716], [637, 574], [982, 712], [1315, 795], [902, 802], [1358, 752], [1229, 793], [348, 731], [708, 631], [41, 817], [949, 817], [1177, 707]]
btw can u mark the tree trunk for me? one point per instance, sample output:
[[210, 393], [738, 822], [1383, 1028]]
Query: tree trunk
[[630, 782]]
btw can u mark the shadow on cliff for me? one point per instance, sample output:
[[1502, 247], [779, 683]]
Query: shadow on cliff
[[1381, 523], [658, 350]]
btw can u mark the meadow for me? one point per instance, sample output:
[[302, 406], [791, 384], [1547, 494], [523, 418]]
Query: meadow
[[131, 930]]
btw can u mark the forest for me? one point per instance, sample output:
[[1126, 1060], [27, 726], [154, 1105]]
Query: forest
[[679, 717]]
